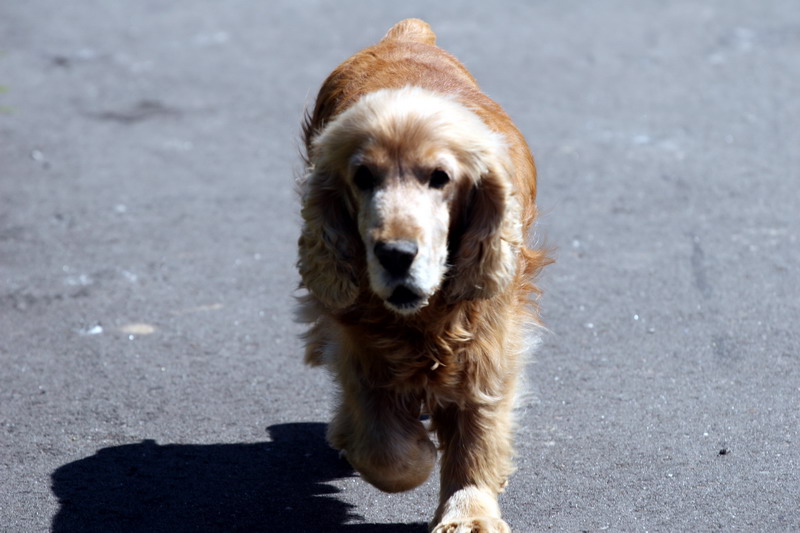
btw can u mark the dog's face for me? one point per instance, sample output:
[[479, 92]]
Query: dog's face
[[404, 200], [408, 188]]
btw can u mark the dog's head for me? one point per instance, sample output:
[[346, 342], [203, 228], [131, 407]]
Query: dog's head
[[412, 190]]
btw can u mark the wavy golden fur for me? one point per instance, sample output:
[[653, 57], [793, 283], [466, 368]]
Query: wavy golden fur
[[416, 201]]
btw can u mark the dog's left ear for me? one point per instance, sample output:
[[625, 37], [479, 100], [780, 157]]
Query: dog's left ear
[[328, 247], [486, 243]]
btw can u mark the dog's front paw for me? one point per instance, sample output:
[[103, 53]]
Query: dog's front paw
[[470, 510], [473, 525]]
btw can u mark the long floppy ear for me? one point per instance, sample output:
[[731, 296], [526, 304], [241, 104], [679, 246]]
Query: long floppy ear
[[488, 239], [328, 247]]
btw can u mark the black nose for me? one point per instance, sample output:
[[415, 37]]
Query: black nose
[[396, 256]]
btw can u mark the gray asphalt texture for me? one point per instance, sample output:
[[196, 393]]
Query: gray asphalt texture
[[150, 369]]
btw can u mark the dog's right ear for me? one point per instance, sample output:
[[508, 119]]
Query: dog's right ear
[[328, 247]]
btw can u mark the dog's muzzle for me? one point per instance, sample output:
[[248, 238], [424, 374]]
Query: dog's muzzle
[[396, 258]]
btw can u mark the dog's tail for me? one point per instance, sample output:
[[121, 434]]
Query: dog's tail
[[411, 30]]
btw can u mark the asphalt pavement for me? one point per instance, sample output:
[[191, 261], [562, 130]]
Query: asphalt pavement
[[151, 375]]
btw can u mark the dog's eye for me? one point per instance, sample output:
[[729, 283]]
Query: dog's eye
[[363, 178], [439, 179]]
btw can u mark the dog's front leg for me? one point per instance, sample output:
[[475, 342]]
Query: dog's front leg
[[381, 436], [476, 463]]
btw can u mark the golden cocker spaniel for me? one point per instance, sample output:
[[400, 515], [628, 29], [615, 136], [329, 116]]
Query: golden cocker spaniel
[[416, 201]]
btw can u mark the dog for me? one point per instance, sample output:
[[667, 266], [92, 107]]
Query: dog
[[417, 197]]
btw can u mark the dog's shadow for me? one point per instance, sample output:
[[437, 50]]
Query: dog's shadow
[[175, 488]]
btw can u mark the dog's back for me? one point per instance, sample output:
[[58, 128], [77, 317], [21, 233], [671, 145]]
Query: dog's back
[[407, 55], [415, 30]]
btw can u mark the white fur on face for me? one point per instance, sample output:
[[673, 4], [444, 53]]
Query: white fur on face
[[405, 210]]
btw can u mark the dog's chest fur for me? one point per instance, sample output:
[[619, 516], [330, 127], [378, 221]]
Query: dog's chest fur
[[425, 356]]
